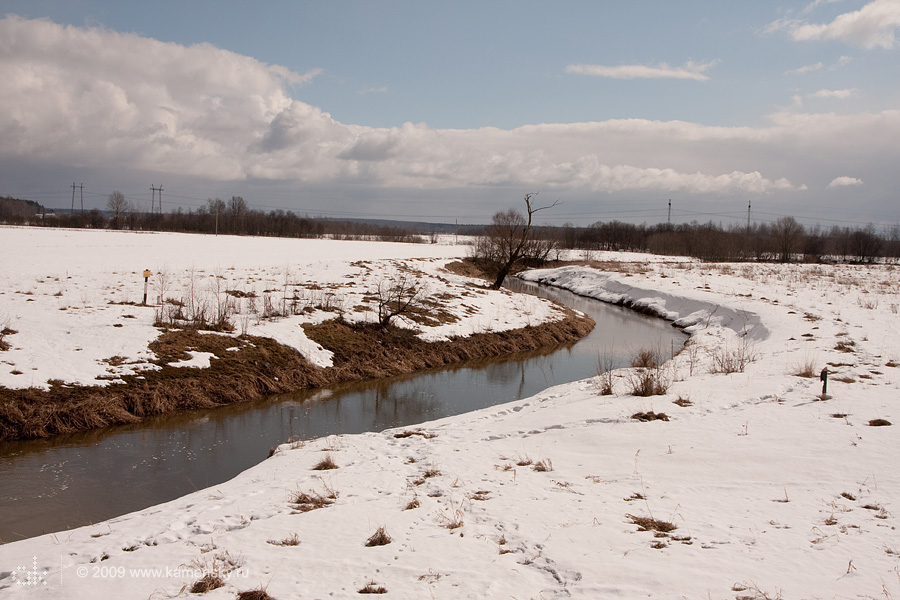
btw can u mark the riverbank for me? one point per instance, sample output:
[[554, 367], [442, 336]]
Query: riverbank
[[756, 486], [83, 349]]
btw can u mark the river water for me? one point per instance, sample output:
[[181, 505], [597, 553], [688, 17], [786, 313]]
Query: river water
[[70, 481]]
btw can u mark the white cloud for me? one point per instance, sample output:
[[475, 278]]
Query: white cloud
[[807, 69], [690, 70], [839, 94], [844, 182], [99, 99], [871, 26]]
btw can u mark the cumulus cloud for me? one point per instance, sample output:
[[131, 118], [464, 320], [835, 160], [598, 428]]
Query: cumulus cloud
[[690, 70], [844, 182], [872, 26], [100, 99]]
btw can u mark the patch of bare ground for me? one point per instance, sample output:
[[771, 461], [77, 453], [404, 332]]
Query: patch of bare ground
[[258, 368]]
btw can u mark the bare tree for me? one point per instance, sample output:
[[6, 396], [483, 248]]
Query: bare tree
[[118, 205], [398, 296], [787, 234], [508, 240]]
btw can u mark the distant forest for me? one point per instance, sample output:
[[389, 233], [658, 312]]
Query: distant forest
[[784, 240]]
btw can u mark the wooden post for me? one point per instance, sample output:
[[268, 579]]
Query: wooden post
[[824, 377], [147, 274]]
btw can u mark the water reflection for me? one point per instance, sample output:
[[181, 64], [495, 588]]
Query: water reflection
[[50, 485]]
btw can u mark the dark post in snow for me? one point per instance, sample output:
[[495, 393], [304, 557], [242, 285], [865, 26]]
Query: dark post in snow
[[147, 275], [823, 376]]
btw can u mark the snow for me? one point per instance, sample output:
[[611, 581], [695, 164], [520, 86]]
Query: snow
[[772, 495]]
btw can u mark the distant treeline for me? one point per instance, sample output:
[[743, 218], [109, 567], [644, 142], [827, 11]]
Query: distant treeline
[[784, 240]]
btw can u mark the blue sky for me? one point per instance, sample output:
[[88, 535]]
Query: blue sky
[[443, 111]]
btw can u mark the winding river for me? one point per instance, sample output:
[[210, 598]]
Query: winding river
[[70, 481]]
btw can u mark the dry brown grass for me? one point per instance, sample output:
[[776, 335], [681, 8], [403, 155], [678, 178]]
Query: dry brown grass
[[379, 538], [649, 416], [325, 464], [651, 524], [307, 501], [260, 368], [543, 466], [879, 423], [372, 588], [291, 540], [207, 583], [257, 594]]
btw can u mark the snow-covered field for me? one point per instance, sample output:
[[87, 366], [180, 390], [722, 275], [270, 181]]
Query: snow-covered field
[[74, 296], [773, 492]]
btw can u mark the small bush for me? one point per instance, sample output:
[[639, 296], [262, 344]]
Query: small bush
[[379, 538], [605, 369], [648, 377], [733, 360]]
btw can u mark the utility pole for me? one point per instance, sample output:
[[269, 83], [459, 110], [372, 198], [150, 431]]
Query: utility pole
[[669, 221], [155, 189], [81, 188], [748, 215]]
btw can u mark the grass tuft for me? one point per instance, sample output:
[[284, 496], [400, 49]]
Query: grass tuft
[[879, 423], [207, 583], [379, 538], [651, 524], [372, 588], [325, 464], [257, 594], [650, 416]]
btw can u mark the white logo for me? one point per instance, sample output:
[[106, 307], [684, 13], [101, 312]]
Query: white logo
[[32, 577]]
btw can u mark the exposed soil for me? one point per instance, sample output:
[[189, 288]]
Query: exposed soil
[[258, 368]]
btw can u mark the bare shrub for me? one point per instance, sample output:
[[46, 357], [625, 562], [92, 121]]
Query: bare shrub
[[648, 377], [733, 359], [606, 365], [396, 297], [379, 538]]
